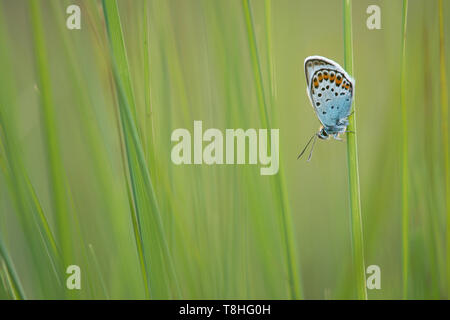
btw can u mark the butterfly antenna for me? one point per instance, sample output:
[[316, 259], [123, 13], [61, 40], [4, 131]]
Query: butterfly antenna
[[304, 149], [312, 147]]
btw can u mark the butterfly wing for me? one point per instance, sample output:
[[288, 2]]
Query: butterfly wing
[[313, 63], [331, 93]]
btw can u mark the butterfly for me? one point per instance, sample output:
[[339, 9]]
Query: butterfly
[[330, 90]]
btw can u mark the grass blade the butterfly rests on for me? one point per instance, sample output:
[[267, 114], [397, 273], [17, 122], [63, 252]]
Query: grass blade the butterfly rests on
[[444, 119], [405, 170], [352, 154], [279, 184]]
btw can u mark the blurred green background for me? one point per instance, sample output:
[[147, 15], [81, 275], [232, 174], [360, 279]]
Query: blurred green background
[[86, 176]]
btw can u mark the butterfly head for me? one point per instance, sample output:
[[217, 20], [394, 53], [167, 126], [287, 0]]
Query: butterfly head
[[322, 134]]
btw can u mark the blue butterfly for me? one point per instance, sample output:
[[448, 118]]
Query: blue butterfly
[[330, 90]]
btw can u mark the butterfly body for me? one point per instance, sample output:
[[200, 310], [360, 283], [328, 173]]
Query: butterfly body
[[330, 90]]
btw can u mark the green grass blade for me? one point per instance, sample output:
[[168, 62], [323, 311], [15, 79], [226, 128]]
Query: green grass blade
[[256, 64], [161, 277], [42, 221], [33, 221], [149, 140], [56, 170], [405, 169], [270, 63], [12, 277], [118, 47], [444, 119], [353, 173], [145, 205], [98, 270], [278, 184]]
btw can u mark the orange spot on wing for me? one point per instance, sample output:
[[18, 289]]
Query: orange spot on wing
[[316, 83]]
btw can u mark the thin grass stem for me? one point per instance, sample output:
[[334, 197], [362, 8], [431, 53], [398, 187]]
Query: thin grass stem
[[405, 164], [148, 227], [13, 279], [56, 169], [353, 171], [279, 183], [444, 125]]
